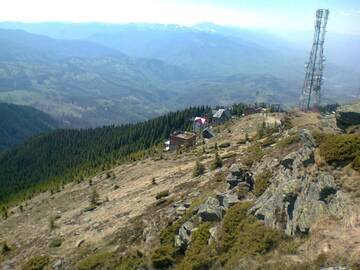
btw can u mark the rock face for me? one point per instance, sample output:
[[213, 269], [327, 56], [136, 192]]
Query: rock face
[[348, 115], [298, 196]]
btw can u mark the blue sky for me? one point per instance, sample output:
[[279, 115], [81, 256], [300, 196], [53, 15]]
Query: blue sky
[[274, 15]]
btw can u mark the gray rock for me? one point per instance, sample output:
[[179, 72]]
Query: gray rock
[[211, 210], [227, 199], [236, 170], [58, 264], [232, 181], [80, 242], [307, 138], [180, 210], [348, 115], [187, 204], [183, 238], [213, 234]]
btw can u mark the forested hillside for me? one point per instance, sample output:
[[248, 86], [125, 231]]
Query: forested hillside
[[49, 160], [18, 123]]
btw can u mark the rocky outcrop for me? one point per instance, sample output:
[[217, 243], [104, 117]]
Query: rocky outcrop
[[299, 193], [348, 115]]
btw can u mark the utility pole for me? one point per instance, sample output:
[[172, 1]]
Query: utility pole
[[311, 90]]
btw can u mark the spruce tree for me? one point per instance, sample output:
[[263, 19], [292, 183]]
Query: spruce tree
[[217, 163], [94, 198], [199, 169]]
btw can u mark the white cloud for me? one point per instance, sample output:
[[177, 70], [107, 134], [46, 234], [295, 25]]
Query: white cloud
[[159, 11]]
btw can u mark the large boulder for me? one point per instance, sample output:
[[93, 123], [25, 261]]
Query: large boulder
[[300, 194], [211, 210], [348, 115]]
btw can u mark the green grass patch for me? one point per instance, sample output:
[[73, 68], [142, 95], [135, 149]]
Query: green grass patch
[[36, 263], [132, 262], [254, 154], [56, 242], [285, 142], [100, 260], [162, 194], [268, 141]]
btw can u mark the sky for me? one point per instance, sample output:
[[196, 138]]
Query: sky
[[266, 14]]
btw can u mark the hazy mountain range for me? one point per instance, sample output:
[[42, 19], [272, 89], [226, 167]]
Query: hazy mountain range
[[95, 74]]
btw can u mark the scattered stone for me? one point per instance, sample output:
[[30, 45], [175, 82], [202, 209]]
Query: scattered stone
[[180, 210], [58, 264], [213, 234], [79, 243], [195, 194], [224, 145], [235, 170], [232, 181], [187, 204]]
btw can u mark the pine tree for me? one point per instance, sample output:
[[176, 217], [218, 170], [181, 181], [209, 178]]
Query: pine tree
[[51, 223], [217, 163], [4, 212], [94, 198], [199, 169]]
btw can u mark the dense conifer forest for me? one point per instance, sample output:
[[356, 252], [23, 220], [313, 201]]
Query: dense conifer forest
[[47, 161]]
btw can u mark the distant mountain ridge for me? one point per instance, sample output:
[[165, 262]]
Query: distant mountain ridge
[[83, 84], [18, 123], [95, 74], [21, 45]]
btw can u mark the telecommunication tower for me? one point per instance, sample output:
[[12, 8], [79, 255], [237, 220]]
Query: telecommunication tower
[[310, 98]]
